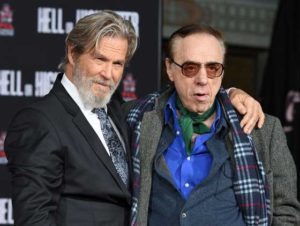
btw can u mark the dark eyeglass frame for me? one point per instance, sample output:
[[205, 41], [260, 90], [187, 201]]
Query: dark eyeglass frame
[[199, 65]]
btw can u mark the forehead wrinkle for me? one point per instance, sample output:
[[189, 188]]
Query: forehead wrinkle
[[112, 47]]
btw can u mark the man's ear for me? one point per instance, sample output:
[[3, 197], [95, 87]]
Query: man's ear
[[168, 65], [71, 55]]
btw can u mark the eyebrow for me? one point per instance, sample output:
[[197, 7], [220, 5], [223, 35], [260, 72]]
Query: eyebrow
[[99, 55]]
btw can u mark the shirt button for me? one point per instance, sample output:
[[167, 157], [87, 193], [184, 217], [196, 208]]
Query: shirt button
[[188, 158], [183, 215], [177, 132], [186, 185]]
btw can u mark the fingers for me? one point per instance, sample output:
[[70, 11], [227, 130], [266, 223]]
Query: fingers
[[254, 115], [261, 119], [249, 107], [237, 98], [248, 123]]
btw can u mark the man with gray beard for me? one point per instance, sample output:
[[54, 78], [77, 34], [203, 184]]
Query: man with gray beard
[[68, 153], [84, 82], [65, 169]]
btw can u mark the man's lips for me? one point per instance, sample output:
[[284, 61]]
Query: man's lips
[[201, 96], [102, 84]]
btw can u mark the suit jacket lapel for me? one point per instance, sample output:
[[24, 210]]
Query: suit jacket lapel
[[98, 148], [86, 130], [151, 129]]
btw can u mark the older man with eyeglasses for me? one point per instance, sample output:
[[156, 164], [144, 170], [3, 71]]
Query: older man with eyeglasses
[[193, 164]]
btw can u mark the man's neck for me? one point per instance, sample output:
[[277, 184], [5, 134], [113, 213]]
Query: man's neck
[[208, 122]]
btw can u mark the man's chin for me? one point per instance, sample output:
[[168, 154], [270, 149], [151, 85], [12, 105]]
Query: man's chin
[[101, 95], [101, 101], [93, 101]]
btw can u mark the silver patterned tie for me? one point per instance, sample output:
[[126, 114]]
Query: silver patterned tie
[[114, 144]]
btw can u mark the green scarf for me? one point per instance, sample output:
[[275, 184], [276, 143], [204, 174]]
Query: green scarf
[[191, 122]]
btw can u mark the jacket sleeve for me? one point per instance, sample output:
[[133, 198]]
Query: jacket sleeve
[[286, 208], [34, 154]]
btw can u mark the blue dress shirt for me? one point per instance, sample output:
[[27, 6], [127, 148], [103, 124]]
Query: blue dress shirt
[[187, 170]]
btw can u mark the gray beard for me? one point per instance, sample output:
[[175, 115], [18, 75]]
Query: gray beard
[[84, 84]]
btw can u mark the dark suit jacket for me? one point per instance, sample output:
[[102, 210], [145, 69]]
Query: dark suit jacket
[[61, 173]]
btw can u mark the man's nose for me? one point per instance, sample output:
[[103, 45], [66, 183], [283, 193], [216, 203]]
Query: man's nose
[[201, 77], [107, 70]]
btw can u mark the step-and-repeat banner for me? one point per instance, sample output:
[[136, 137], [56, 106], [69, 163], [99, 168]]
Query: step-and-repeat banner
[[32, 35]]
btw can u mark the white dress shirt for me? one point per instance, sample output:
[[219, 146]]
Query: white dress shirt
[[91, 117]]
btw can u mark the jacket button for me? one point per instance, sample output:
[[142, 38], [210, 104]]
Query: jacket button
[[183, 215]]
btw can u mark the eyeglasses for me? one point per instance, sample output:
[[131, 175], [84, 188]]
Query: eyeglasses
[[190, 69]]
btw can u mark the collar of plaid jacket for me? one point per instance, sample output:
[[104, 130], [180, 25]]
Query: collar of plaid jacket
[[250, 185]]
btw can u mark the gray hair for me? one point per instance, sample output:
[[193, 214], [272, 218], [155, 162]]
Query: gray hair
[[89, 30]]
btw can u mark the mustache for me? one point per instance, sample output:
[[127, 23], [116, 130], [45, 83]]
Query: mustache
[[103, 82]]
